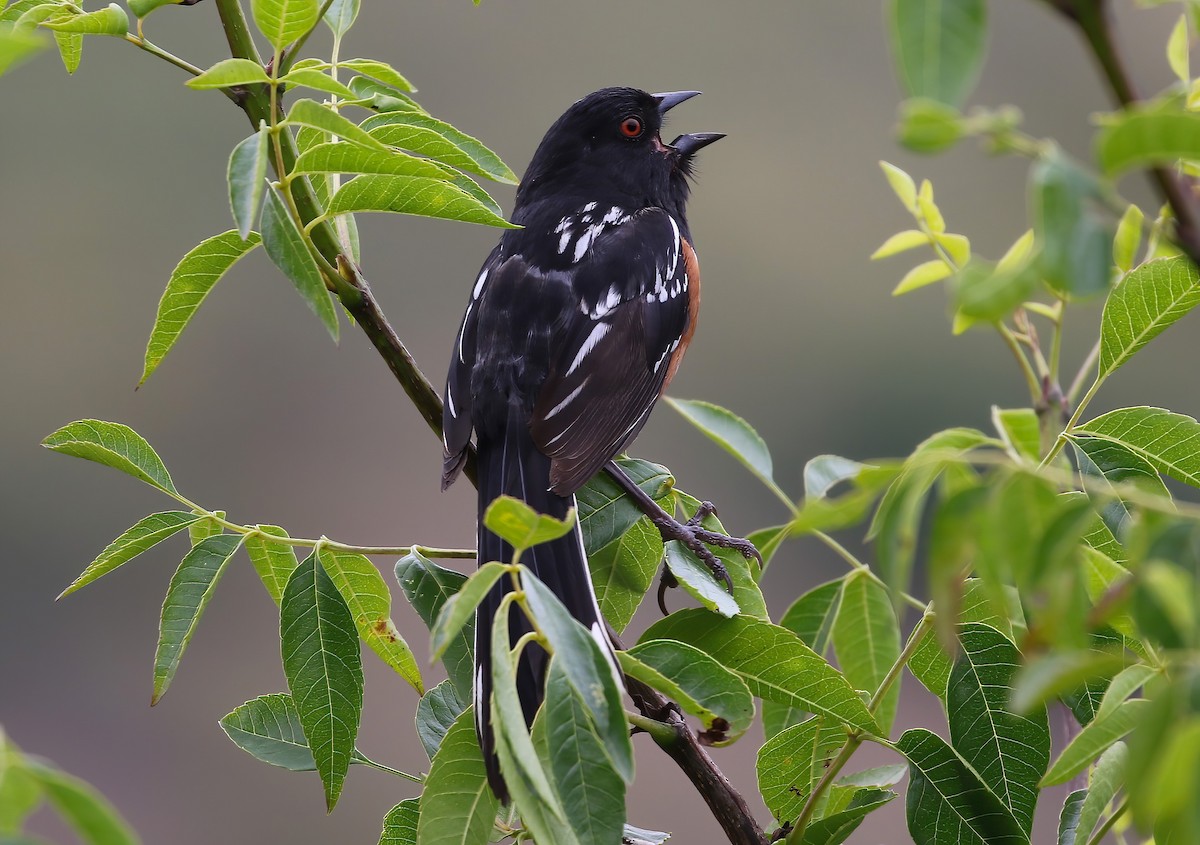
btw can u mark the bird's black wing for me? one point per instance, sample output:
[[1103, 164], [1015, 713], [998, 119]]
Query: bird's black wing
[[614, 351], [456, 410]]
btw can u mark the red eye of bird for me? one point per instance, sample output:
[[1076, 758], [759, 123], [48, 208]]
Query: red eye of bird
[[631, 127]]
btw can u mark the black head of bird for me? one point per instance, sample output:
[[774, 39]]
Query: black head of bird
[[609, 144]]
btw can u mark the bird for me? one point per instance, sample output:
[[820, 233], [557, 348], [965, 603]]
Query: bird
[[576, 325]]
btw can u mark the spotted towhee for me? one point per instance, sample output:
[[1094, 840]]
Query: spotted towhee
[[576, 325]]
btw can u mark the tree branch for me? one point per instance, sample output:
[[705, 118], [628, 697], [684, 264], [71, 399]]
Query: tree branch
[[726, 803], [681, 745], [1093, 18]]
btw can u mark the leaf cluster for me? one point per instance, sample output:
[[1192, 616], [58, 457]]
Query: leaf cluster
[[1060, 567]]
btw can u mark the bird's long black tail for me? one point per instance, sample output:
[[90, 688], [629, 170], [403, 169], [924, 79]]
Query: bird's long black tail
[[512, 465]]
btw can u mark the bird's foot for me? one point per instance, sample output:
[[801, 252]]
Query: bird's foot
[[698, 539]]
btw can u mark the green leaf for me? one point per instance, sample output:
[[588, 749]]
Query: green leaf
[[897, 518], [383, 98], [339, 17], [811, 618], [790, 762], [428, 587], [606, 513], [370, 603], [82, 806], [696, 578], [879, 777], [401, 822], [1058, 673], [230, 72], [323, 666], [1126, 683], [591, 791], [20, 794], [588, 666], [1108, 463], [985, 292], [1128, 239], [1068, 820], [901, 242], [350, 158], [424, 135], [923, 275], [114, 445], [190, 283], [697, 683], [436, 712], [1141, 138], [1106, 779], [318, 81], [206, 526], [824, 472], [742, 571], [519, 763], [147, 533], [730, 432], [380, 71], [247, 177], [268, 729], [1150, 299], [417, 195], [142, 8], [16, 44], [775, 664], [948, 801], [191, 588], [624, 569], [1076, 243], [836, 828], [1098, 735], [929, 126], [273, 561], [70, 48], [457, 807], [866, 639], [111, 20], [313, 114], [939, 46], [1169, 442], [521, 526], [461, 606], [288, 251], [1009, 751], [1177, 50], [283, 21], [1020, 430]]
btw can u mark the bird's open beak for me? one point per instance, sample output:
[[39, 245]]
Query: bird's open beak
[[685, 145], [670, 99]]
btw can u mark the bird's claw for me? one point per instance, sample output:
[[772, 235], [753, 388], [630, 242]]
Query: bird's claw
[[698, 539]]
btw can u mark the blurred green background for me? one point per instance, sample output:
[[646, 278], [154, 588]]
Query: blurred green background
[[107, 179]]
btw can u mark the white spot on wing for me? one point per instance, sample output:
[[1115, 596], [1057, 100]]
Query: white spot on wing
[[479, 284], [566, 401], [591, 206], [585, 240], [461, 358], [597, 333]]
